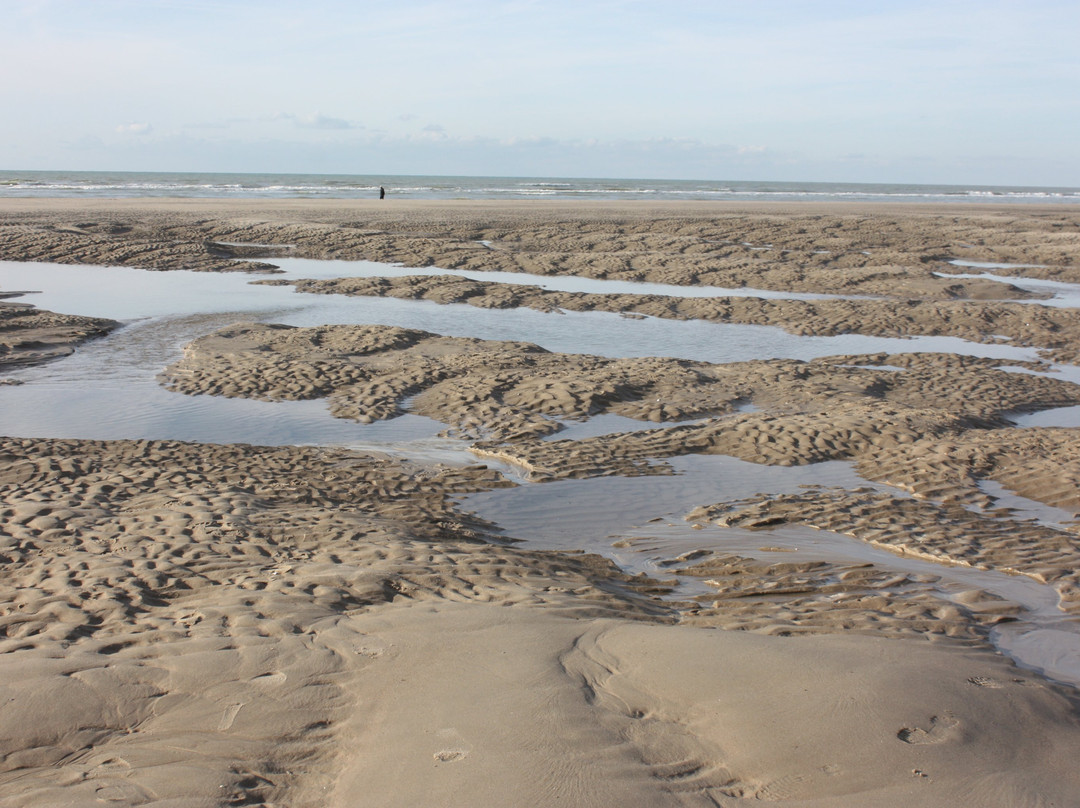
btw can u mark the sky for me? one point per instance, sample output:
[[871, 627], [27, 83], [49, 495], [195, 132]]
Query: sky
[[919, 91]]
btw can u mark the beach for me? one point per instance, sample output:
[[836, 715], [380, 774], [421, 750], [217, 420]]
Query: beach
[[876, 606]]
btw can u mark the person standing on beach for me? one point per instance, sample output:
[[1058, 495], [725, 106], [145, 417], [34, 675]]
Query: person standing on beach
[[382, 192]]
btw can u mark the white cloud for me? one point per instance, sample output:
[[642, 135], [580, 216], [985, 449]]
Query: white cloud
[[134, 129], [318, 121]]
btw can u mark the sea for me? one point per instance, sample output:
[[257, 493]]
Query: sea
[[142, 184]]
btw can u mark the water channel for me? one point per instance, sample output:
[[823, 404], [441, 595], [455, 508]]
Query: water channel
[[108, 390]]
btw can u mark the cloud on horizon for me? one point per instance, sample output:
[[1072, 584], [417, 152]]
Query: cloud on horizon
[[318, 121], [134, 129]]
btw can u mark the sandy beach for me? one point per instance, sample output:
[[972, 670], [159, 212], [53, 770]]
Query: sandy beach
[[223, 623]]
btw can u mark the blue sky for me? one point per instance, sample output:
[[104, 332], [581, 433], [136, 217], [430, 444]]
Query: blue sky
[[919, 91]]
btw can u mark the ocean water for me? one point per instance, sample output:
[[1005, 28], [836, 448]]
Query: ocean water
[[123, 184]]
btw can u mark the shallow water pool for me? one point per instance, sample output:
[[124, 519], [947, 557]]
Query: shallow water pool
[[114, 378]]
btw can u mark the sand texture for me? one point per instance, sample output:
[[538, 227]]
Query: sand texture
[[1047, 328], [192, 624], [187, 624], [29, 336]]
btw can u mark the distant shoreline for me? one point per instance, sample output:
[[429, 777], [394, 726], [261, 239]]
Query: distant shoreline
[[396, 207], [214, 185]]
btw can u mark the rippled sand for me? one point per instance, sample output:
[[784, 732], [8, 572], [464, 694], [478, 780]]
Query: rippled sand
[[220, 624]]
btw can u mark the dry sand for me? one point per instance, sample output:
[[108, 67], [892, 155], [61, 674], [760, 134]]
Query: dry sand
[[190, 625]]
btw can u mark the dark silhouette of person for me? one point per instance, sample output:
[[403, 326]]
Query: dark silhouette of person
[[382, 192]]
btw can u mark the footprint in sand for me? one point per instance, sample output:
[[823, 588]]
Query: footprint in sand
[[127, 793], [789, 787], [229, 716], [273, 678], [371, 647], [456, 748], [942, 728], [110, 767], [450, 755]]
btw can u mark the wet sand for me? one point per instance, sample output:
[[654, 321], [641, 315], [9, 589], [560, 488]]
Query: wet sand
[[220, 624], [29, 336]]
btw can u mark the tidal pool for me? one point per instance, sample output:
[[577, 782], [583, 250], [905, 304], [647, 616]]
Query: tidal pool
[[114, 378], [1061, 294]]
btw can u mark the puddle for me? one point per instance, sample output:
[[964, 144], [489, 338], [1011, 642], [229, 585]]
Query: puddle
[[602, 424], [888, 368], [593, 512], [166, 310], [128, 294], [254, 244], [1057, 417], [961, 262], [1025, 508], [1064, 295], [302, 267], [95, 397], [1053, 652]]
